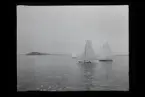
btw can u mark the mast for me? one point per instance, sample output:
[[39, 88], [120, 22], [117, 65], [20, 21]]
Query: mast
[[85, 51]]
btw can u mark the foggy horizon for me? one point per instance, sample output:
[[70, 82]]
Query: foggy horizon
[[64, 29]]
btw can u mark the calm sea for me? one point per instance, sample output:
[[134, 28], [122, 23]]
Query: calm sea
[[62, 73]]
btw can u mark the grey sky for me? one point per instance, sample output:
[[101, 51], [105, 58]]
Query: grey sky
[[65, 28]]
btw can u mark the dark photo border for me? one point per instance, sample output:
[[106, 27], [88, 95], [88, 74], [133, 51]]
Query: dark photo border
[[136, 63]]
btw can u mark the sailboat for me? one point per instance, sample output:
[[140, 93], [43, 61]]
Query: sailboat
[[74, 55], [88, 55], [105, 53]]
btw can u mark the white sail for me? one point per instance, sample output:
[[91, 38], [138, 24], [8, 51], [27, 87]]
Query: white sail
[[105, 52], [74, 55], [88, 53]]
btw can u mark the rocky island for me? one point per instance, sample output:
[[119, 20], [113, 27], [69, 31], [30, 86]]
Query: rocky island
[[55, 54], [37, 53]]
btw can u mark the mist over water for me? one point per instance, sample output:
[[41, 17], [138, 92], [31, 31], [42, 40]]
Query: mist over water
[[62, 73]]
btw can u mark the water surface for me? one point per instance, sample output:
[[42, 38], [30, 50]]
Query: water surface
[[63, 73]]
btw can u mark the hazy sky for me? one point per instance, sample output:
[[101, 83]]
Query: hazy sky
[[65, 28]]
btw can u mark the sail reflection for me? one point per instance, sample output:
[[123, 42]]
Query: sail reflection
[[107, 65], [87, 71]]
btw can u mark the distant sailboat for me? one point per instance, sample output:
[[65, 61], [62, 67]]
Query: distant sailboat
[[105, 53], [74, 55], [88, 55]]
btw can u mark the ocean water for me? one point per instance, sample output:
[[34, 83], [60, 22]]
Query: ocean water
[[63, 73]]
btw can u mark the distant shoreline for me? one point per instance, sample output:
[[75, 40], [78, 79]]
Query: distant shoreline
[[46, 54], [37, 53], [40, 54], [58, 54], [122, 55]]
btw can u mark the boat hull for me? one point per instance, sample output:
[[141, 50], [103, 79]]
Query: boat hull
[[105, 60], [81, 61], [92, 61]]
